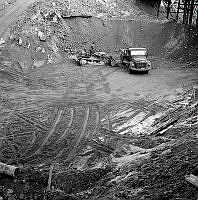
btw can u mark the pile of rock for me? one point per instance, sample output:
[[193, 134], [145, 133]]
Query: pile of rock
[[5, 3], [45, 25]]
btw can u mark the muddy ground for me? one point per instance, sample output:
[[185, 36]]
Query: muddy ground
[[106, 133], [62, 113]]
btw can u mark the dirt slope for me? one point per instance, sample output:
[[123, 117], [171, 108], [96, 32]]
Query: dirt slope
[[12, 13], [135, 29]]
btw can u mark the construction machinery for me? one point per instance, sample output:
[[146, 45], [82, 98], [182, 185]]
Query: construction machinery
[[97, 58], [135, 59]]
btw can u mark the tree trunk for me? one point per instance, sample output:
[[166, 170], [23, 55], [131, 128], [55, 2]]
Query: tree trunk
[[185, 12], [178, 8], [197, 19], [188, 10], [191, 11], [158, 7], [168, 8]]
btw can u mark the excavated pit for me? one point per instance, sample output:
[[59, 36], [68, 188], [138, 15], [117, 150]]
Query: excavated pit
[[99, 125]]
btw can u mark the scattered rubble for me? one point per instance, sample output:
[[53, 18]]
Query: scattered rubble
[[52, 26], [5, 3]]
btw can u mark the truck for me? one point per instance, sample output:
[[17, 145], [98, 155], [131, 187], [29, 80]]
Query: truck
[[135, 59]]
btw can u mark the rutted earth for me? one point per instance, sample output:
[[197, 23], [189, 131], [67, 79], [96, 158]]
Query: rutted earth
[[102, 130], [87, 118]]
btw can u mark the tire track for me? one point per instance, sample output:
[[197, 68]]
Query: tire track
[[98, 119], [58, 117], [36, 150], [73, 146], [31, 122], [87, 112], [69, 125]]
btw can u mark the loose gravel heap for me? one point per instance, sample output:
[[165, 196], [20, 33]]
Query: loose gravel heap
[[5, 3]]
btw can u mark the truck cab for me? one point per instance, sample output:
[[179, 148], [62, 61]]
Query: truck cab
[[135, 59]]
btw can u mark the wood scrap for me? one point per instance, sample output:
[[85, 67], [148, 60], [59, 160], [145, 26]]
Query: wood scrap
[[101, 147], [192, 179], [50, 178], [114, 134], [173, 120], [9, 169]]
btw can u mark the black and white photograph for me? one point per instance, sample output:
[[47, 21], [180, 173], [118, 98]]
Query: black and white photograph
[[98, 99]]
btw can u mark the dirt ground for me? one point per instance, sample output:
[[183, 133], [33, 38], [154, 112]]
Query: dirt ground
[[106, 133], [11, 14], [59, 113]]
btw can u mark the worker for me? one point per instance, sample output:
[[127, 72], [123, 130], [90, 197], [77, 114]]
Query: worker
[[92, 50]]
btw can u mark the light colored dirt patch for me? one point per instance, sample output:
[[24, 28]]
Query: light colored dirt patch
[[163, 81]]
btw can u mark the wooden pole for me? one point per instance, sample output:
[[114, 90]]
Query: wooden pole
[[50, 178]]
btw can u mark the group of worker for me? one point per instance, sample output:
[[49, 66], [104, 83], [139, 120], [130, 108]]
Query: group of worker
[[89, 52]]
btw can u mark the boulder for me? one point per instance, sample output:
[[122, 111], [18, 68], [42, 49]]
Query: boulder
[[38, 63], [38, 49], [2, 41], [42, 36], [20, 41]]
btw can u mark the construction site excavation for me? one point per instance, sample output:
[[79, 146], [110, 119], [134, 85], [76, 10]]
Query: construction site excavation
[[98, 100]]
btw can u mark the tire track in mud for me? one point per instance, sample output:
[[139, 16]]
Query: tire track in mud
[[58, 117], [73, 147], [31, 122], [79, 124], [72, 111], [37, 149], [97, 123], [73, 131], [89, 129]]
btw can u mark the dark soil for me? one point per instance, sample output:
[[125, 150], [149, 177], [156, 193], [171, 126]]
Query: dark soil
[[162, 177]]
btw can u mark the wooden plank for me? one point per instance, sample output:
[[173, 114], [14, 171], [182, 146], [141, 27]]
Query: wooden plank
[[8, 169], [192, 179]]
